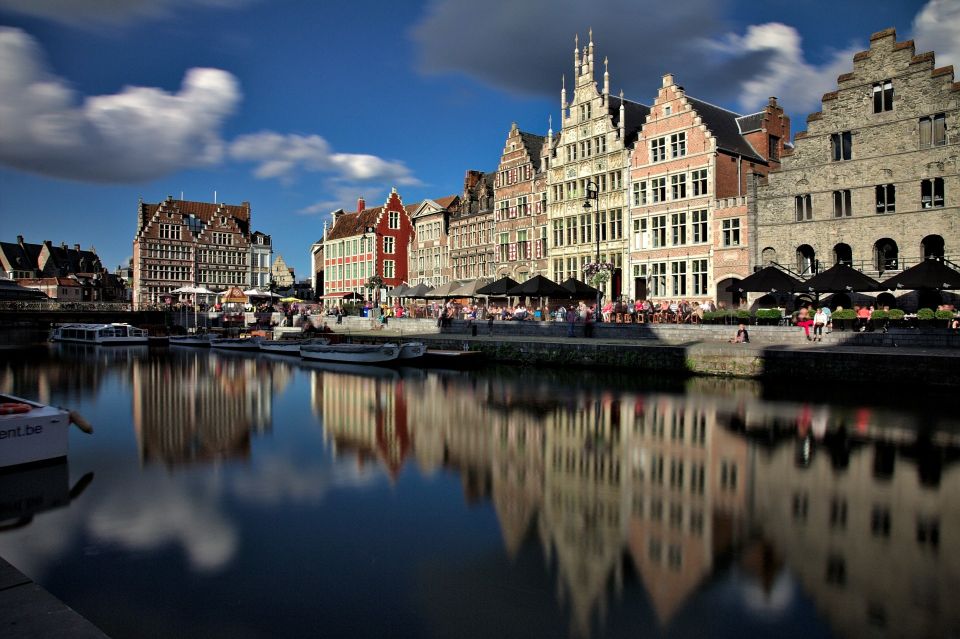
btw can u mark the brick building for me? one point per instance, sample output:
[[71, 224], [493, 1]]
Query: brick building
[[874, 180], [471, 229], [689, 174], [430, 249], [61, 272], [183, 243], [520, 207], [352, 254], [591, 149]]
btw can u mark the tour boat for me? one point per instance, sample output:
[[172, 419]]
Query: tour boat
[[202, 340], [289, 346], [102, 334], [351, 353], [412, 350], [236, 343], [31, 432]]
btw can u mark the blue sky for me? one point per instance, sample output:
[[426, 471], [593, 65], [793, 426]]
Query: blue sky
[[300, 106]]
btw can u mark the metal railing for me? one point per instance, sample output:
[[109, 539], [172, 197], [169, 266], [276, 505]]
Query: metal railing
[[28, 305]]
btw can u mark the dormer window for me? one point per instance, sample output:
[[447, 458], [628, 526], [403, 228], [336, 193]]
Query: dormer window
[[666, 110]]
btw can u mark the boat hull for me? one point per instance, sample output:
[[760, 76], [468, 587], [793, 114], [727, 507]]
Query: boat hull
[[236, 344], [190, 340], [35, 435], [412, 350], [289, 346], [351, 353], [100, 334]]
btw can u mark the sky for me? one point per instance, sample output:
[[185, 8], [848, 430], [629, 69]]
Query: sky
[[300, 107]]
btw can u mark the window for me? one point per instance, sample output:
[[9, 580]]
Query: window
[[886, 198], [658, 225], [504, 247], [931, 193], [699, 182], [170, 232], [773, 147], [522, 245], [393, 220], [728, 475], [640, 193], [658, 150], [699, 272], [933, 131], [698, 221], [842, 205], [803, 205], [586, 224], [928, 532], [659, 190], [678, 186], [522, 207], [666, 110], [678, 145], [731, 232], [616, 181], [558, 232], [678, 225], [615, 220], [841, 146], [883, 96], [389, 244], [678, 278], [658, 279], [389, 268], [800, 506]]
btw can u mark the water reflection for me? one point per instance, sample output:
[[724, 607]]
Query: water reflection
[[659, 497]]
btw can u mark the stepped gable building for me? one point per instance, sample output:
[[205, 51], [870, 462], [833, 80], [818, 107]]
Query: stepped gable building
[[66, 274], [688, 210], [352, 254], [183, 243], [592, 149], [520, 208], [472, 228], [874, 180], [430, 249], [283, 276]]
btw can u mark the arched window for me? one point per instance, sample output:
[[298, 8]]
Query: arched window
[[806, 259], [768, 256], [932, 246], [886, 255], [843, 254]]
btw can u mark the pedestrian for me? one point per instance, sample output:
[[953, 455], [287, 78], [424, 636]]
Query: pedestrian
[[571, 322]]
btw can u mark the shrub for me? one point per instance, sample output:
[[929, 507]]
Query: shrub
[[925, 314], [880, 315], [845, 314], [769, 314], [896, 314], [944, 315], [743, 315]]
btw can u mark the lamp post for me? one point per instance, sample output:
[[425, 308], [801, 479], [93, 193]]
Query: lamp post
[[376, 270], [592, 194]]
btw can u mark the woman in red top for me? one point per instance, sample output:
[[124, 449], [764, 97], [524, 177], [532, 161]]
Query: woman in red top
[[804, 321]]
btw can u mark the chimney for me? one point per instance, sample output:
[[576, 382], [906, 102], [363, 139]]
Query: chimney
[[361, 204], [63, 245], [471, 180], [20, 240]]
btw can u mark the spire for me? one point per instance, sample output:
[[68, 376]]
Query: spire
[[622, 115], [549, 130], [606, 81], [590, 56], [563, 95], [576, 55]]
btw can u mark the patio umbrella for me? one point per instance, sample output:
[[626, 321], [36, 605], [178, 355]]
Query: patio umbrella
[[234, 295], [352, 296], [418, 291], [498, 288], [443, 291], [579, 290], [769, 279], [290, 299], [538, 286], [400, 290], [185, 289], [930, 274], [839, 278], [470, 287]]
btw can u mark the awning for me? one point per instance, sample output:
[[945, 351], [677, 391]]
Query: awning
[[769, 279], [498, 288], [930, 274], [539, 286], [470, 287], [444, 290], [839, 278]]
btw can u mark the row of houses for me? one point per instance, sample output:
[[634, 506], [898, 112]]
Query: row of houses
[[62, 273], [682, 197]]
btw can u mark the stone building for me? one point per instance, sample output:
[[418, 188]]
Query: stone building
[[592, 150], [61, 272], [689, 173], [520, 208], [281, 274], [182, 243], [430, 249], [874, 180], [471, 229], [261, 252]]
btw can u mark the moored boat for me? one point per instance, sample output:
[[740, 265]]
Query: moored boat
[[351, 353], [201, 340], [289, 346], [102, 334], [31, 432], [451, 358], [412, 350], [236, 343]]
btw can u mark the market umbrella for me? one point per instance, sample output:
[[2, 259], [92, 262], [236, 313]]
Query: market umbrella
[[538, 286], [234, 295], [400, 290], [930, 274], [839, 278], [579, 290], [443, 291], [470, 287], [184, 290], [418, 291], [255, 292], [352, 295], [769, 279], [498, 288], [290, 299]]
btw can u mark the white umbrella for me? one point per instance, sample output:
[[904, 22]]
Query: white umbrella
[[203, 290], [185, 289]]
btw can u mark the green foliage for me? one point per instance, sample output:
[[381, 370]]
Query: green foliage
[[845, 314], [896, 314], [925, 314], [743, 315], [880, 315], [769, 314], [944, 315]]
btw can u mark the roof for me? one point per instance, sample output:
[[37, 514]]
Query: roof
[[21, 257], [447, 201], [533, 143], [353, 224], [204, 211], [635, 114], [63, 260], [724, 126], [750, 123]]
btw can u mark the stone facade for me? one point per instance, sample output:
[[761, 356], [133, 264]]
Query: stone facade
[[591, 151], [471, 229], [520, 209], [688, 215], [874, 180], [430, 251]]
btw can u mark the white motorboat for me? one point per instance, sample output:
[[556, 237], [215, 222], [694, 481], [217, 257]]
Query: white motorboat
[[101, 334], [412, 350], [202, 340], [289, 346], [236, 343], [351, 353], [31, 432]]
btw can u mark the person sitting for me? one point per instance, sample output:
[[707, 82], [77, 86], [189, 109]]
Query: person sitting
[[804, 321], [863, 317], [742, 337], [607, 310]]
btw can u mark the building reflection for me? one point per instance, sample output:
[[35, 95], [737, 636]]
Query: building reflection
[[199, 406], [670, 484]]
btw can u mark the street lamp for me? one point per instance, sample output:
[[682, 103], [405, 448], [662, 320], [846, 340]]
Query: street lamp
[[592, 194]]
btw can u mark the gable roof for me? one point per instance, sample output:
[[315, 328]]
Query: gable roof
[[20, 258], [353, 224], [204, 211], [725, 128], [634, 113], [447, 201], [751, 123], [533, 143]]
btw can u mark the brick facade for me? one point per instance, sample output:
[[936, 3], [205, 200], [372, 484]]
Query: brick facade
[[430, 251], [471, 229]]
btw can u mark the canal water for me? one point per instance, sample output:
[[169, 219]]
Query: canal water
[[245, 496]]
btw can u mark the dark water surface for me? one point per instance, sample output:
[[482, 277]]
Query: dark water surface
[[240, 496]]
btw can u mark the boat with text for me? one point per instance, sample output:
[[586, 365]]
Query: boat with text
[[101, 334], [351, 353], [32, 432]]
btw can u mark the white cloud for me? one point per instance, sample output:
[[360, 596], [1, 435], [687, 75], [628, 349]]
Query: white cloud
[[936, 29], [138, 134], [108, 12], [786, 74]]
